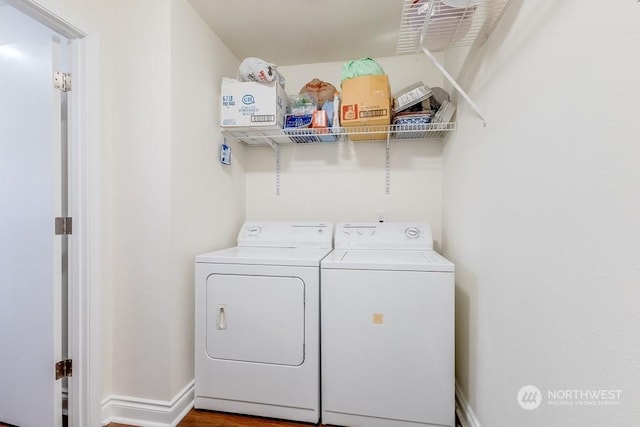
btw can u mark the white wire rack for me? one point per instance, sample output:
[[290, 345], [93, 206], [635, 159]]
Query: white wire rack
[[447, 23], [277, 138], [257, 136]]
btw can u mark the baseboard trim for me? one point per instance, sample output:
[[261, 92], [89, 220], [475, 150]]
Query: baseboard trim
[[463, 409], [147, 412]]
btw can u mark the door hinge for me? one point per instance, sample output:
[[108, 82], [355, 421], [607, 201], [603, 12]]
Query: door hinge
[[63, 225], [62, 81], [64, 368]]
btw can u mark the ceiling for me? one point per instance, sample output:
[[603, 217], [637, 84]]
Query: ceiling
[[290, 32]]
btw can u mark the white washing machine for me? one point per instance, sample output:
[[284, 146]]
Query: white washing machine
[[387, 328], [257, 322]]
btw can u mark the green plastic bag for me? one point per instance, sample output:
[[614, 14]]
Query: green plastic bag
[[360, 67]]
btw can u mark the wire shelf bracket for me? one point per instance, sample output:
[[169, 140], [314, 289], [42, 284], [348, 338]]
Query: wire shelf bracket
[[435, 25]]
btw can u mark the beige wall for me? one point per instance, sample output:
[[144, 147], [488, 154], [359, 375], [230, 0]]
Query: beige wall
[[347, 182], [541, 214]]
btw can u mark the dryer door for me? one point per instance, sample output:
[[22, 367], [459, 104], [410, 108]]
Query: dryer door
[[255, 319]]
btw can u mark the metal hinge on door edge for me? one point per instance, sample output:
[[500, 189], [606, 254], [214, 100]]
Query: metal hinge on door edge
[[62, 81], [64, 368], [63, 225]]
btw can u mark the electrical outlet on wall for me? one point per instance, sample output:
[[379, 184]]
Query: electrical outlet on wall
[[382, 216]]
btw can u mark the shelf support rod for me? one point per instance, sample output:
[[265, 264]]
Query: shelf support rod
[[276, 147], [455, 84], [387, 167]]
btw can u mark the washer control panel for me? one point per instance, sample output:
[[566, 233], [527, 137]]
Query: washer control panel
[[384, 235], [412, 232]]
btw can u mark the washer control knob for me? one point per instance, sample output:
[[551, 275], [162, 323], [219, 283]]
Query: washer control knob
[[320, 230], [412, 232], [254, 230]]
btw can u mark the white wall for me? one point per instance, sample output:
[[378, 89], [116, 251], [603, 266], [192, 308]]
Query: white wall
[[542, 214], [139, 137], [166, 188], [207, 198], [347, 182]]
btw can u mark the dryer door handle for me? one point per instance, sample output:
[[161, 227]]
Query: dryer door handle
[[222, 317]]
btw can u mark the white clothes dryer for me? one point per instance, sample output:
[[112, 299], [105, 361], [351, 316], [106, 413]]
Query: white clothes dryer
[[257, 322], [387, 328]]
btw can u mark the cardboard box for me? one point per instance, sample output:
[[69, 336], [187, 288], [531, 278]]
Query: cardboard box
[[252, 104], [366, 101]]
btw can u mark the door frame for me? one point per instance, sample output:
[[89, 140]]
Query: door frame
[[85, 287]]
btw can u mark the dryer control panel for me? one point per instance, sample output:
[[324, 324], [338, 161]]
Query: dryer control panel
[[384, 235], [286, 234]]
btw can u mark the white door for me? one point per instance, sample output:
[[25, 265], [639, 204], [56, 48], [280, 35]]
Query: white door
[[30, 199]]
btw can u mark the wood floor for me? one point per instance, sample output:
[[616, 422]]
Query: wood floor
[[200, 418]]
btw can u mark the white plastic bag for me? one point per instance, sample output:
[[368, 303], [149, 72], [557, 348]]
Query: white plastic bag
[[258, 70]]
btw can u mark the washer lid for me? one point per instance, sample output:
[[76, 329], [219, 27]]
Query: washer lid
[[266, 256], [396, 260]]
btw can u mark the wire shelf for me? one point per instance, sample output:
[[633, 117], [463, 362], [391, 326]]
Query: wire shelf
[[258, 136], [450, 23]]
